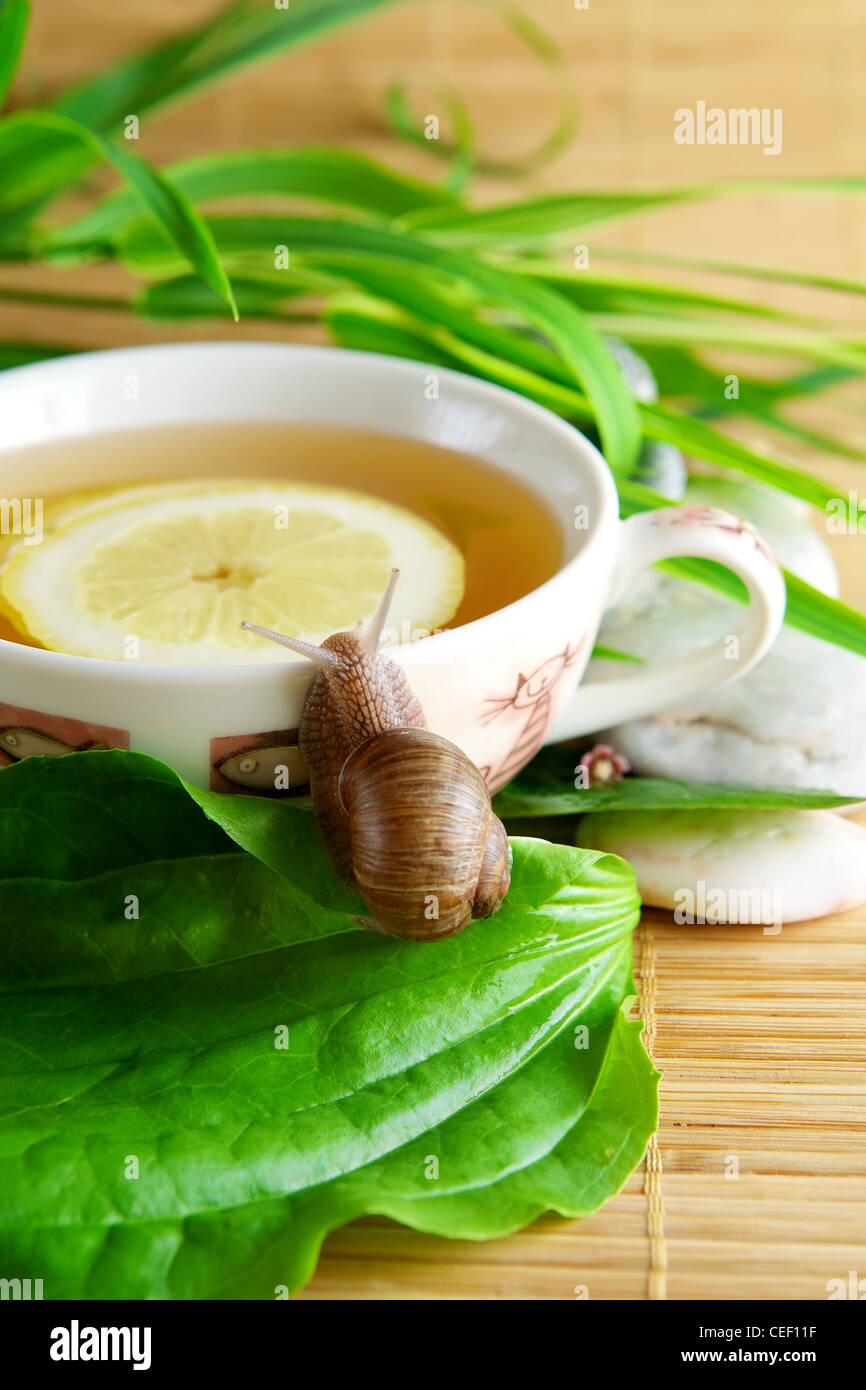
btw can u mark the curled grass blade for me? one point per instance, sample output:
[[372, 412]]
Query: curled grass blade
[[462, 150]]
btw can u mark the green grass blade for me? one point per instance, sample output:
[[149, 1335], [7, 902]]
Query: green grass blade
[[787, 340], [524, 222], [37, 156], [355, 249], [243, 34], [737, 269], [683, 377], [357, 322], [14, 19], [188, 297], [695, 437], [60, 300], [177, 217], [596, 292], [173, 214], [334, 176], [807, 609]]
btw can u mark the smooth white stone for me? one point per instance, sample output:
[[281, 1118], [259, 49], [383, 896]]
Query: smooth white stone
[[744, 866]]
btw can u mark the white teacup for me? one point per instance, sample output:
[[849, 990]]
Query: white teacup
[[500, 687]]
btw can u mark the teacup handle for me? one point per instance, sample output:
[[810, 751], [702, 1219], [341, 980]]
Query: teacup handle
[[712, 534]]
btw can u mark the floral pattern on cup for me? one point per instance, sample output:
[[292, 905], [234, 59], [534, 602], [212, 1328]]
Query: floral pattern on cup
[[530, 706], [718, 519]]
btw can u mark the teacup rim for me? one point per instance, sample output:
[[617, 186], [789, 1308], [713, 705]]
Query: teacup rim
[[408, 653]]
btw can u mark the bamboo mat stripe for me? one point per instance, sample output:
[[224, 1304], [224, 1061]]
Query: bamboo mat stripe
[[655, 1208]]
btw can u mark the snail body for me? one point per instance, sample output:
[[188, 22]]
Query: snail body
[[404, 815]]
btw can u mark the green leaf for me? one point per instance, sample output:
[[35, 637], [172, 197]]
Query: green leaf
[[334, 176], [14, 19], [546, 788], [160, 1037]]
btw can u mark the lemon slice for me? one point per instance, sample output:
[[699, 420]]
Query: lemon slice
[[166, 572]]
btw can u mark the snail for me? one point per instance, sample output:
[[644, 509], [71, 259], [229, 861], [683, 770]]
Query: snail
[[404, 815]]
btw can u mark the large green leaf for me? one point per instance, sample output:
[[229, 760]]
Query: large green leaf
[[159, 1139]]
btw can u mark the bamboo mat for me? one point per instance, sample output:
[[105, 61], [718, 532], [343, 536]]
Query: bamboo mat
[[755, 1186]]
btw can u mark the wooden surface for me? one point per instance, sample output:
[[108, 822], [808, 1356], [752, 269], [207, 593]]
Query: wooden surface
[[762, 1040]]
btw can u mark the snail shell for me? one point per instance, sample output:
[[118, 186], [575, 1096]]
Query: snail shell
[[428, 854], [404, 815]]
